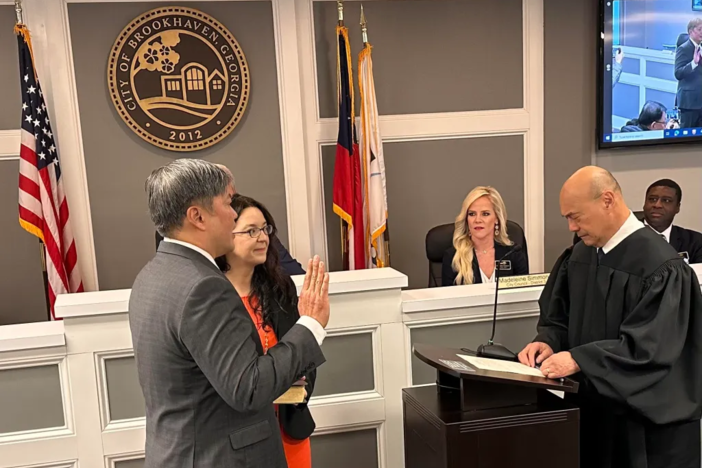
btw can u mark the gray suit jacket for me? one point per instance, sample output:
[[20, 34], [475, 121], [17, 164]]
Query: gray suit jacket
[[208, 391]]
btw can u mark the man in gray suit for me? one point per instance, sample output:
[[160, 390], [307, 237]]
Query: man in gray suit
[[209, 394]]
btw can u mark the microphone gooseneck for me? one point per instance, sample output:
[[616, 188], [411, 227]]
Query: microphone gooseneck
[[492, 350], [516, 248]]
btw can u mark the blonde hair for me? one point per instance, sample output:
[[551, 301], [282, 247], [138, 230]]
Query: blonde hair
[[463, 260]]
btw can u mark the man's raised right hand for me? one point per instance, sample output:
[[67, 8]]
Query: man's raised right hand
[[314, 298]]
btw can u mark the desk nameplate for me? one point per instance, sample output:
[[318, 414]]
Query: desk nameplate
[[524, 281]]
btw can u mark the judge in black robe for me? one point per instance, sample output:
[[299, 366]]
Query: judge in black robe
[[632, 323], [629, 314]]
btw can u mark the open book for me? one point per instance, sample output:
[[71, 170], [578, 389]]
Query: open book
[[501, 366], [295, 394]]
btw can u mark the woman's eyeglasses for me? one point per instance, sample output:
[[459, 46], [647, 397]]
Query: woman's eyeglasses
[[255, 232]]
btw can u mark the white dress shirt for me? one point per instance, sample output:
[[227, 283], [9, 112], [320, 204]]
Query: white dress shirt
[[486, 279], [665, 234], [308, 322], [630, 226], [197, 249]]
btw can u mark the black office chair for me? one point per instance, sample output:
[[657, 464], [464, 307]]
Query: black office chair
[[639, 215], [440, 238]]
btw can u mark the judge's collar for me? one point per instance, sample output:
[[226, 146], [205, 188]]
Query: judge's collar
[[630, 226]]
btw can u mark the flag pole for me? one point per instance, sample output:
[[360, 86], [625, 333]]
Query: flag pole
[[340, 10], [380, 244], [18, 11], [364, 27], [45, 279], [42, 247]]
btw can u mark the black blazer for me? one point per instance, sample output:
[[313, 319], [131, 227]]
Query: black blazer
[[682, 240], [689, 95], [289, 264], [687, 240], [518, 260], [296, 420]]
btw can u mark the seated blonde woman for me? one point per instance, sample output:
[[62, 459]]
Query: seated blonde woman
[[479, 239]]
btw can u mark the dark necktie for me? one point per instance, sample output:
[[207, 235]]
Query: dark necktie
[[600, 256]]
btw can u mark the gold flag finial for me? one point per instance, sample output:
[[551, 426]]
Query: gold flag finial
[[340, 10], [18, 11], [364, 26]]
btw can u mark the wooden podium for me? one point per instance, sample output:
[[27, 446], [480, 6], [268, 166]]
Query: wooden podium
[[475, 418]]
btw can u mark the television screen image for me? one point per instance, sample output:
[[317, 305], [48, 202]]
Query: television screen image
[[650, 72]]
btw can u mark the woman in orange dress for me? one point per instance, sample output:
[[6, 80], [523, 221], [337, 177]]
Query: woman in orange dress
[[271, 299]]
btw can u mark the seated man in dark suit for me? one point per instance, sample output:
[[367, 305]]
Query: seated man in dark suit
[[662, 204], [289, 264]]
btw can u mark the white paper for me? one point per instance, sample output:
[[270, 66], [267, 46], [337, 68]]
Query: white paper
[[501, 366], [456, 365]]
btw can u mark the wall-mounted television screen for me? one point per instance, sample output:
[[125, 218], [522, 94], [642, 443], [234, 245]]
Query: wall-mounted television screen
[[650, 72]]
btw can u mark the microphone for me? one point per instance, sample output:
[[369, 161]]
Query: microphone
[[491, 349]]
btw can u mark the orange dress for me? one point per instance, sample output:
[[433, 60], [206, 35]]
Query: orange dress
[[298, 453]]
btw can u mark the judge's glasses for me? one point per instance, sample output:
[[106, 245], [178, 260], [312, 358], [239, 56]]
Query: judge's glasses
[[255, 232]]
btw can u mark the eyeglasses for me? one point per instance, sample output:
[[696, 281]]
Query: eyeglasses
[[255, 233]]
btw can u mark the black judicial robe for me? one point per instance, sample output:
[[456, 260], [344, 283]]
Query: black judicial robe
[[633, 324]]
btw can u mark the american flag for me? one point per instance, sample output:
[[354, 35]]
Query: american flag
[[43, 208]]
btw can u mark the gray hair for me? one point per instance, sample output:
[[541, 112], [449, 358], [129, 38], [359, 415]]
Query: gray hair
[[175, 187]]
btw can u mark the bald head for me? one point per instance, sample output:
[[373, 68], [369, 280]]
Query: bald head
[[592, 202], [591, 181]]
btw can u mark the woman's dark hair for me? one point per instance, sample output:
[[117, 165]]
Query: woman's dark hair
[[270, 284]]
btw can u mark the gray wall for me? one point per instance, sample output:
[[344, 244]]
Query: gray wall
[[428, 55], [569, 106], [118, 161], [21, 282], [9, 71], [426, 184]]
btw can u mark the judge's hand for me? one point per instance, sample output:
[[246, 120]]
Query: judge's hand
[[534, 353], [559, 365], [314, 298], [696, 55]]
